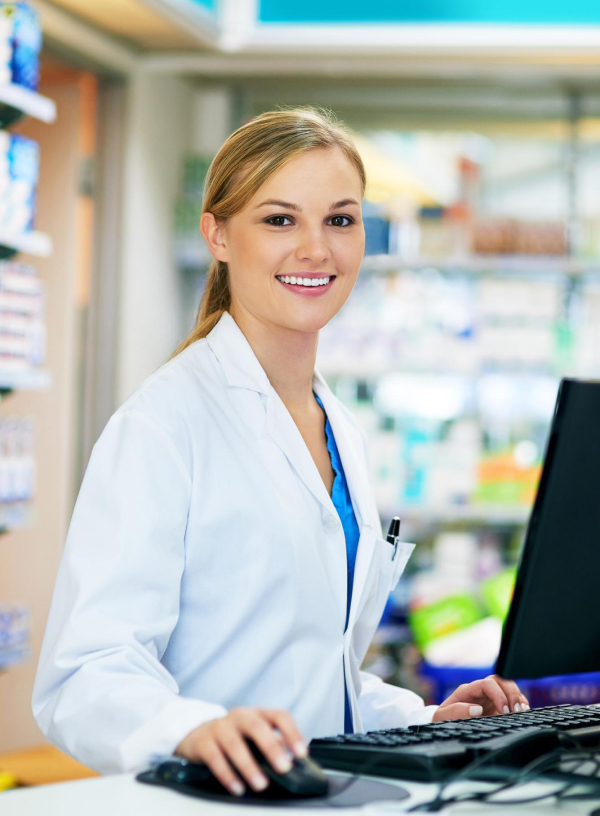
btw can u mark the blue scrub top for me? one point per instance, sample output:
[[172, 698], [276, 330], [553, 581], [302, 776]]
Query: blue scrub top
[[340, 496]]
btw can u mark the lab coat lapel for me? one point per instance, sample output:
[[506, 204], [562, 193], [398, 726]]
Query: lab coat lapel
[[349, 443], [244, 374], [285, 433], [242, 369]]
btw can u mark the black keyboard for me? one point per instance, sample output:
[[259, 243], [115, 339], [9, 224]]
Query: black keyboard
[[434, 752]]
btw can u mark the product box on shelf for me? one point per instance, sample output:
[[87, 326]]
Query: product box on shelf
[[15, 628], [19, 170], [22, 322], [20, 44], [509, 236], [18, 468]]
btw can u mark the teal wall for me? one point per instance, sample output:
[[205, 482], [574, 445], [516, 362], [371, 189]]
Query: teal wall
[[211, 5], [431, 11]]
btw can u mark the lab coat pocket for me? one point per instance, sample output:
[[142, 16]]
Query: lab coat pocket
[[393, 560], [404, 552], [388, 569]]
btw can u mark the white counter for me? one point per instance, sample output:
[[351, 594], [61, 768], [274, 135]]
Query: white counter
[[121, 795]]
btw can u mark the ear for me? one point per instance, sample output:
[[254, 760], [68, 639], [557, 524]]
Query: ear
[[214, 235]]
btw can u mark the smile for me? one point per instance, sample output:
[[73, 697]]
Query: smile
[[306, 287], [294, 281]]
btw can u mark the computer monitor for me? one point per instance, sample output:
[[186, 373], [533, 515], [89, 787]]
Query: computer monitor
[[553, 626]]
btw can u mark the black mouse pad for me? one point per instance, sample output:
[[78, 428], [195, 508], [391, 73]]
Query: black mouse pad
[[345, 791]]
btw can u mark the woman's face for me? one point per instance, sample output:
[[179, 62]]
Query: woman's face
[[304, 222]]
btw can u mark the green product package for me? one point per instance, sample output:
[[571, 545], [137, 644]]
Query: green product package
[[497, 592], [428, 623]]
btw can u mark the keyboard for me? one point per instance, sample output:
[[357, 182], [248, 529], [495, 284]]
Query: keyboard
[[436, 751]]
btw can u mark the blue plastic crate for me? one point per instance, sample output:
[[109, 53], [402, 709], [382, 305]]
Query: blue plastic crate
[[572, 688]]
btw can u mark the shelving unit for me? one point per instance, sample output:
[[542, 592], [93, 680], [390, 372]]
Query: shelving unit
[[24, 381], [498, 264], [32, 243], [12, 658], [496, 514], [16, 515], [15, 103]]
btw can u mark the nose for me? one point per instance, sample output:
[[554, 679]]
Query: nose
[[312, 246]]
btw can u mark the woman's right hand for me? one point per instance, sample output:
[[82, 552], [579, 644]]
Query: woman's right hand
[[221, 744]]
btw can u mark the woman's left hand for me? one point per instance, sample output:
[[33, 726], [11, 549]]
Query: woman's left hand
[[492, 695]]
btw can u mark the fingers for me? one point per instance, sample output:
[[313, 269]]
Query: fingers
[[515, 700], [234, 746], [457, 711], [222, 744], [289, 730], [494, 694], [503, 693], [255, 724], [212, 756]]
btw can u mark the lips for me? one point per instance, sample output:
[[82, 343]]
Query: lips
[[298, 279], [309, 291]]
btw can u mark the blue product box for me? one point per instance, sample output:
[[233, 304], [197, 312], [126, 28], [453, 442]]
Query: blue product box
[[20, 44], [377, 235], [19, 170]]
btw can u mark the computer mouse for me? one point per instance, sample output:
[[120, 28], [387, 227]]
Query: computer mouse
[[306, 779]]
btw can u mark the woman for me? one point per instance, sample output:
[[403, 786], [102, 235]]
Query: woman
[[225, 567]]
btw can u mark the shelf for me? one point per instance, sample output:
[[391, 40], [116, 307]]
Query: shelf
[[532, 264], [33, 243], [16, 516], [16, 101], [370, 371], [32, 380], [13, 657], [477, 513]]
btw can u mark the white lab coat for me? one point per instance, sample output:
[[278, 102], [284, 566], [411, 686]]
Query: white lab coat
[[205, 569]]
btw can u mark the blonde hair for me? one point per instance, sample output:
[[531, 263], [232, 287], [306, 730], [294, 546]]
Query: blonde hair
[[248, 157]]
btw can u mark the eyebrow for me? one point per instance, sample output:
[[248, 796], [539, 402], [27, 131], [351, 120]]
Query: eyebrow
[[288, 206]]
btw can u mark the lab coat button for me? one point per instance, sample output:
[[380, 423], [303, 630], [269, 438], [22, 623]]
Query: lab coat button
[[331, 524]]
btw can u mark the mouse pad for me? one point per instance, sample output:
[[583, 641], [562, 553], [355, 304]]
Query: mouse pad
[[345, 791]]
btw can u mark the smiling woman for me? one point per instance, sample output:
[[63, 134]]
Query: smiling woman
[[225, 568]]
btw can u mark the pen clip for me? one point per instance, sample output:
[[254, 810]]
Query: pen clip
[[393, 535]]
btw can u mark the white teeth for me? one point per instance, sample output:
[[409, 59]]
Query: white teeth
[[303, 281]]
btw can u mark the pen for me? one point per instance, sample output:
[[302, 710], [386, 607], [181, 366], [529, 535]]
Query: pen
[[394, 534]]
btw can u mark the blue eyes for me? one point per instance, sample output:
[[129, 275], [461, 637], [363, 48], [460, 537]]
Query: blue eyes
[[333, 217]]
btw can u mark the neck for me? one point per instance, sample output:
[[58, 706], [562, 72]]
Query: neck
[[288, 357]]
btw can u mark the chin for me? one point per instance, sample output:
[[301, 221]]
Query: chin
[[307, 323]]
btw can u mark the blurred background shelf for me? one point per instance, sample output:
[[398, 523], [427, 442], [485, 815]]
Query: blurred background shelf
[[16, 516], [12, 658], [33, 380], [499, 264], [32, 243], [491, 514], [17, 101]]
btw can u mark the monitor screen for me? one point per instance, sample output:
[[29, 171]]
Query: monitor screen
[[553, 626]]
